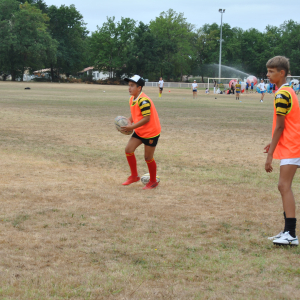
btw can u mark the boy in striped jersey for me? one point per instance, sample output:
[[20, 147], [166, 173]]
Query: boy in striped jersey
[[237, 90], [285, 145], [146, 126]]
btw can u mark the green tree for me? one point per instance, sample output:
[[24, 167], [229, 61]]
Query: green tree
[[290, 44], [7, 10], [207, 50], [68, 29], [254, 55], [110, 46], [175, 39], [40, 4], [232, 46], [28, 44], [142, 54]]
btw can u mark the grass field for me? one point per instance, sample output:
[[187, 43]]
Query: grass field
[[70, 230]]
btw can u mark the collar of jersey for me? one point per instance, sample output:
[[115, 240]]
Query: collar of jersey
[[285, 84], [137, 97]]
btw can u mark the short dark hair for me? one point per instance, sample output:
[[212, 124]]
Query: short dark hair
[[279, 63]]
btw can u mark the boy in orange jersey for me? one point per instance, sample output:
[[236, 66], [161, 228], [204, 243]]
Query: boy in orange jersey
[[146, 126], [285, 145]]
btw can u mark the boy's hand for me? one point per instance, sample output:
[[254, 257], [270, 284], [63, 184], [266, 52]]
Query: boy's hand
[[127, 128], [268, 164], [267, 148]]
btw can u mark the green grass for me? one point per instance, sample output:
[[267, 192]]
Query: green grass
[[70, 230]]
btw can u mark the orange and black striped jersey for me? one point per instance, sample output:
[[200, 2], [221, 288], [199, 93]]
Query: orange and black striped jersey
[[286, 103], [283, 102], [141, 107], [144, 105]]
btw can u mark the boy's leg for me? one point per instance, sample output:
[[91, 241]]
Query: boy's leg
[[262, 97], [149, 153], [286, 176], [133, 143], [287, 173]]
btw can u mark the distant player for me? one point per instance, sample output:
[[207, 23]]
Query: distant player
[[194, 88], [252, 86], [247, 87], [146, 126], [297, 88], [292, 85], [232, 88], [285, 145], [215, 85], [237, 90], [160, 87], [270, 88], [262, 88]]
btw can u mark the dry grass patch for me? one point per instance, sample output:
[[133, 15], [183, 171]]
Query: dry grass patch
[[69, 230]]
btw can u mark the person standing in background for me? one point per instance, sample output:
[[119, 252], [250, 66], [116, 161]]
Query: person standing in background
[[237, 90], [262, 88], [232, 88], [252, 86], [160, 87], [194, 88]]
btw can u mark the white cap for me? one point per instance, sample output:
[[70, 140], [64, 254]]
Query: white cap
[[137, 79]]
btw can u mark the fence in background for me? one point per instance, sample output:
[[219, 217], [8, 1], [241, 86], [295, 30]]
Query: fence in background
[[182, 85]]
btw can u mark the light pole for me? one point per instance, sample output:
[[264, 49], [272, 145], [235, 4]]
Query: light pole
[[221, 11]]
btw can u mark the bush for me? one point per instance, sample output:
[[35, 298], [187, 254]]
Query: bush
[[74, 80], [42, 79], [87, 78]]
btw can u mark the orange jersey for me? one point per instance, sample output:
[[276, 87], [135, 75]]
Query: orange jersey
[[144, 106], [289, 143]]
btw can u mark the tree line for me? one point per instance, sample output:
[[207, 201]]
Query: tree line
[[35, 36]]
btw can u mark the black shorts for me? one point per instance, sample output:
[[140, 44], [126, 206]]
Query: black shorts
[[152, 142], [195, 91], [161, 89]]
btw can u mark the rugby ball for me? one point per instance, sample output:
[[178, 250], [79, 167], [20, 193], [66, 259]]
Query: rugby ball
[[120, 122], [146, 177]]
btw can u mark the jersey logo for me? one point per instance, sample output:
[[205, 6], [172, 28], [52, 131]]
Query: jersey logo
[[144, 102], [278, 96]]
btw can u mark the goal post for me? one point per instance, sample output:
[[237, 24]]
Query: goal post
[[219, 80]]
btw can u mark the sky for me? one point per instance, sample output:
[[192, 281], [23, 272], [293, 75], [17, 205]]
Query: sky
[[247, 14]]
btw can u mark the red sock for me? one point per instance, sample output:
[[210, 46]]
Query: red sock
[[132, 163], [152, 169]]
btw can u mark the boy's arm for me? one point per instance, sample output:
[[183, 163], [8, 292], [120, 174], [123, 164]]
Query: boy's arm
[[140, 123], [272, 146]]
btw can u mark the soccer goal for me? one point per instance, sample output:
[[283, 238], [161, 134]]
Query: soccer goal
[[220, 81]]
